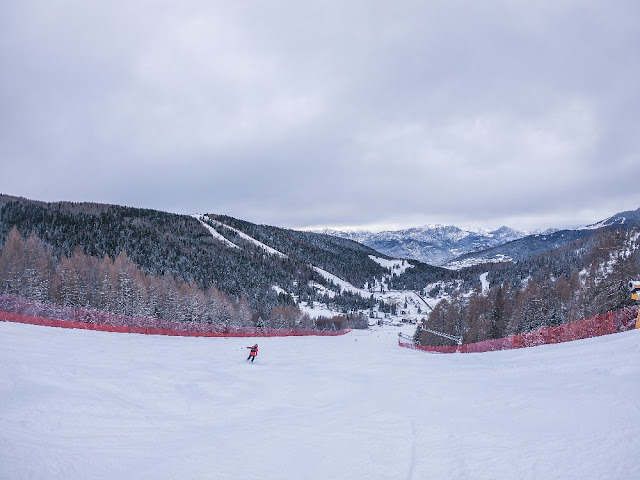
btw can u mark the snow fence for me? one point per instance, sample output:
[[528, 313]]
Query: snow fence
[[19, 310], [604, 324]]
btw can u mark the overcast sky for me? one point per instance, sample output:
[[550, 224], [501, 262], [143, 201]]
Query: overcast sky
[[327, 113]]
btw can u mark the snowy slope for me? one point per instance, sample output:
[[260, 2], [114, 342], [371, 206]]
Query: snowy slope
[[214, 232], [244, 236], [414, 303], [82, 404]]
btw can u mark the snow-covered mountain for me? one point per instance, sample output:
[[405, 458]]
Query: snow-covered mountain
[[453, 247], [631, 217], [535, 244], [431, 244]]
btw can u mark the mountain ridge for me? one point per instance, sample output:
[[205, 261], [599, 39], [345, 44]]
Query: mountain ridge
[[431, 244], [455, 247], [536, 244]]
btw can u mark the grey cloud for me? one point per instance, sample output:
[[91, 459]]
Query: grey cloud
[[332, 113]]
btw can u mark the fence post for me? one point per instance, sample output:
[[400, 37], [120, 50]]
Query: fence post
[[611, 329]]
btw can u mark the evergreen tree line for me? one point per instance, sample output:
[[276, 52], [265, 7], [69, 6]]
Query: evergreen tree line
[[158, 243], [168, 245], [583, 279], [29, 269]]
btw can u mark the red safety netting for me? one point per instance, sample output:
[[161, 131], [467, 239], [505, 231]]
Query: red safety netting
[[604, 324], [19, 310]]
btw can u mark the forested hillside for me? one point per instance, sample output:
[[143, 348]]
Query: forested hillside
[[346, 259], [586, 277], [163, 245]]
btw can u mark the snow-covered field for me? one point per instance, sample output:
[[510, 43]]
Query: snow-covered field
[[91, 405]]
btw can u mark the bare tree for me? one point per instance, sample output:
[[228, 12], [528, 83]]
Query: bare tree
[[12, 263]]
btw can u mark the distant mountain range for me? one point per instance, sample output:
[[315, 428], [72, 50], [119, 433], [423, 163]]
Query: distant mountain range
[[536, 244], [453, 247], [431, 244]]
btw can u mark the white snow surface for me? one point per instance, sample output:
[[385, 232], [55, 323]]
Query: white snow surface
[[266, 248], [79, 404], [485, 283], [214, 232], [343, 284], [397, 266]]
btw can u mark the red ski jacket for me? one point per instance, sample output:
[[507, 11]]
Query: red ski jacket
[[254, 350]]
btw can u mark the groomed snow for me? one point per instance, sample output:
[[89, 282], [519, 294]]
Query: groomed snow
[[91, 405], [266, 248], [214, 232]]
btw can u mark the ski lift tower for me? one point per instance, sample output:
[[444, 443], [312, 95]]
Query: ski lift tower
[[634, 288], [455, 338]]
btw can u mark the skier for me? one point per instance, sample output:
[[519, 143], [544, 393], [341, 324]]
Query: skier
[[253, 352]]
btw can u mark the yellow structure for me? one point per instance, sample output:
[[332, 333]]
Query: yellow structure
[[634, 286]]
